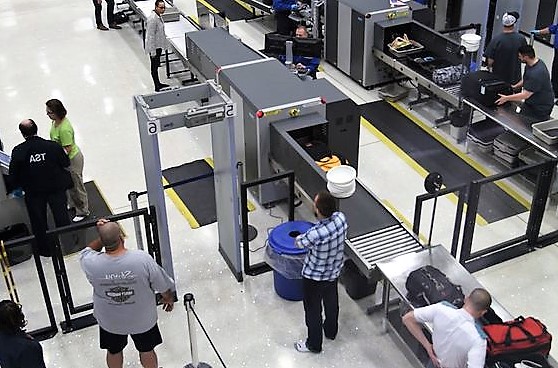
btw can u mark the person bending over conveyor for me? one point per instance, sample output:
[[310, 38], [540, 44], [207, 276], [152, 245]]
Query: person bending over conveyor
[[536, 87], [303, 64]]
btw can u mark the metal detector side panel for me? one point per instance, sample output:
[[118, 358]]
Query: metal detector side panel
[[226, 194]]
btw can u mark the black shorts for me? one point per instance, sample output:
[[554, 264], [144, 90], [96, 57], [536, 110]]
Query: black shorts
[[144, 342]]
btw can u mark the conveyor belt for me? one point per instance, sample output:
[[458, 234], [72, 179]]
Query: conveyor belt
[[232, 10], [374, 233], [450, 94], [430, 154]]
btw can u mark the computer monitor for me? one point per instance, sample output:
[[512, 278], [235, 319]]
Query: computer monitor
[[275, 44], [308, 47]]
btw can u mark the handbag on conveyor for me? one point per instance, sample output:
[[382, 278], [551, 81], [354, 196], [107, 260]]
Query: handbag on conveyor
[[448, 75]]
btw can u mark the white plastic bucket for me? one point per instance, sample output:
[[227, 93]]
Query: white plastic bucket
[[471, 41], [341, 181]]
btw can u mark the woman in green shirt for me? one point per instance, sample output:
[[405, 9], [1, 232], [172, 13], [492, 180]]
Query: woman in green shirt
[[62, 133]]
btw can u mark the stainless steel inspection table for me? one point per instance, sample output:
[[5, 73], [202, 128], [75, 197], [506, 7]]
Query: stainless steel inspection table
[[512, 121], [396, 270]]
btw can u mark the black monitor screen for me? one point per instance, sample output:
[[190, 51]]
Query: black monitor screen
[[275, 44], [308, 47]]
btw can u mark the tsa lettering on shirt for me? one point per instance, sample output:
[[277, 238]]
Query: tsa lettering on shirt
[[37, 157]]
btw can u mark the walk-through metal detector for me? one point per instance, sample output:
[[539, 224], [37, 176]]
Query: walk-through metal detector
[[197, 105]]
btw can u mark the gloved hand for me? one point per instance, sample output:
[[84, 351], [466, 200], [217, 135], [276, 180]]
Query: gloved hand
[[294, 7], [535, 31]]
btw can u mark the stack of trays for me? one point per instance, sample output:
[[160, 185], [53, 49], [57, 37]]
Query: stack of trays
[[530, 156], [483, 133], [507, 147]]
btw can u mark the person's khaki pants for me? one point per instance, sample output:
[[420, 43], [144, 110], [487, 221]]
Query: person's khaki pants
[[77, 196]]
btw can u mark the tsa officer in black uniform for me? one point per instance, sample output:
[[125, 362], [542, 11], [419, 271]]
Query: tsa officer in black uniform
[[39, 167]]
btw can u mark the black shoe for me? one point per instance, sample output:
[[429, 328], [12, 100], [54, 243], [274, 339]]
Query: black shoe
[[160, 87], [330, 338], [102, 27], [114, 26]]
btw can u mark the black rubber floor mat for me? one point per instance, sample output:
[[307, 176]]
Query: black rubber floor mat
[[433, 156], [198, 197], [98, 208], [231, 9]]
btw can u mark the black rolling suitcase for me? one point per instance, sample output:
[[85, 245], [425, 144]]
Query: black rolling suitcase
[[484, 87]]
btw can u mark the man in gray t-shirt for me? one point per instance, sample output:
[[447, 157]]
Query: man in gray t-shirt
[[537, 89], [124, 284]]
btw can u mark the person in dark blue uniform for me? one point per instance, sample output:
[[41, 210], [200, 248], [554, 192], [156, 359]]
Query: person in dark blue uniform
[[40, 168], [302, 64], [17, 349], [283, 9]]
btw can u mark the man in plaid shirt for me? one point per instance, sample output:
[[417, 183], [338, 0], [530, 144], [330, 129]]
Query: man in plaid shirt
[[325, 242]]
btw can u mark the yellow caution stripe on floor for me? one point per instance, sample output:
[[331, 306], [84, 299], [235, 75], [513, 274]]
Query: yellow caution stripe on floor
[[465, 157], [212, 9], [402, 218], [182, 208], [244, 5], [102, 195], [409, 160]]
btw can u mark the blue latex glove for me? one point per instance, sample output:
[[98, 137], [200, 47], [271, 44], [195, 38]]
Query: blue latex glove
[[535, 31], [294, 7]]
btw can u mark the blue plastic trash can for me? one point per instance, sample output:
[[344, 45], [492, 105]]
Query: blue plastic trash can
[[282, 242]]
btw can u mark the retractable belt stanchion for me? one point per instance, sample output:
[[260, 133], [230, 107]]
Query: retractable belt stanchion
[[189, 302]]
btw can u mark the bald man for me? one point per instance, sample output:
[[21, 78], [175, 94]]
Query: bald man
[[124, 285], [457, 341], [40, 168]]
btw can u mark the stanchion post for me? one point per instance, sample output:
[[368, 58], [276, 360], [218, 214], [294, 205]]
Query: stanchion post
[[189, 302], [133, 198]]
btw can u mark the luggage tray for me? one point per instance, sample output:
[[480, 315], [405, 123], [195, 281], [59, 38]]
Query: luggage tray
[[547, 131], [414, 47]]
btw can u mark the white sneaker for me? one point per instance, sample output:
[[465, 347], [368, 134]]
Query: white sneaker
[[78, 218]]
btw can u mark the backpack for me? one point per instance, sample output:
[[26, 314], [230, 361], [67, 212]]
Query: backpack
[[428, 285]]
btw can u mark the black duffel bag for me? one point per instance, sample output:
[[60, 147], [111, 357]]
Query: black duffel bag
[[428, 285]]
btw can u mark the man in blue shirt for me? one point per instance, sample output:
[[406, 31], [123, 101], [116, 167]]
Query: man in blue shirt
[[325, 242]]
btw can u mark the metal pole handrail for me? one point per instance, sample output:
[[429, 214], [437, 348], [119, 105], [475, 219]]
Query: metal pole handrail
[[78, 226], [172, 185]]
